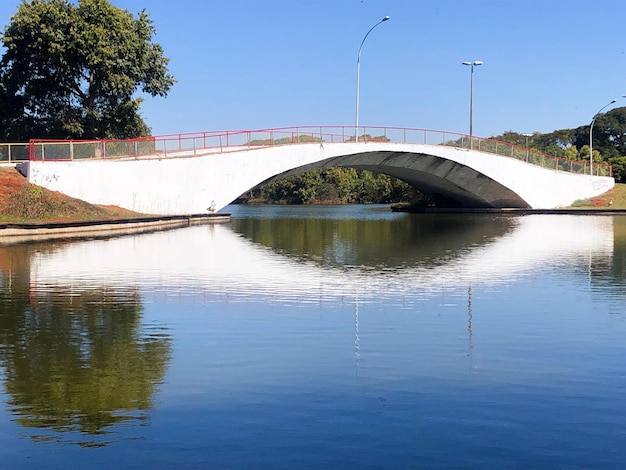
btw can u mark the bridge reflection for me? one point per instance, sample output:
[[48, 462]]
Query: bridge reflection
[[320, 259]]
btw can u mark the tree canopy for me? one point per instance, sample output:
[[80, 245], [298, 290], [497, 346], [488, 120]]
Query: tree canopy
[[74, 71], [609, 141]]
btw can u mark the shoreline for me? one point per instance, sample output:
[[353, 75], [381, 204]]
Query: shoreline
[[11, 233], [508, 211]]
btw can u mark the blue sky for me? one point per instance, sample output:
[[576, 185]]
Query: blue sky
[[251, 64]]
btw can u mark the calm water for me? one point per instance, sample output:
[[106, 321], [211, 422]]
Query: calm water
[[314, 337]]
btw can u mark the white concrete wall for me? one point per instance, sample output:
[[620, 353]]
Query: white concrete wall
[[193, 184]]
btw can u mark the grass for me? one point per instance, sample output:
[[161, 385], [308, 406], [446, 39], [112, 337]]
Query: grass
[[22, 202], [613, 199]]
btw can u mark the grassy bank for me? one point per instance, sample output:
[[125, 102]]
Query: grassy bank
[[22, 202], [614, 199]]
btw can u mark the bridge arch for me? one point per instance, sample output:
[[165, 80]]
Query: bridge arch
[[446, 181]]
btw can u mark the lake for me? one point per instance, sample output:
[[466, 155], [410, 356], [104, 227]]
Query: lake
[[319, 337]]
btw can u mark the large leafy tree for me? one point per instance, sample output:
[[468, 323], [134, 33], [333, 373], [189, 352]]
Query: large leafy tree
[[609, 133], [75, 71]]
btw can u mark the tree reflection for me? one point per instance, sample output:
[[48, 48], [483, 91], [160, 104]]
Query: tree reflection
[[75, 360], [618, 268], [424, 239]]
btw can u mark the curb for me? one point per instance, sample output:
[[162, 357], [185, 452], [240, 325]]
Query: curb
[[18, 233], [506, 211]]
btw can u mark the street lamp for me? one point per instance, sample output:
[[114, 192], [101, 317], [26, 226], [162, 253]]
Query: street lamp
[[593, 120], [472, 64], [358, 74]]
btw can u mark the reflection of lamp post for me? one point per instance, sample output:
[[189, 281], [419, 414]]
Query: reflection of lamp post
[[472, 64], [358, 73], [593, 120]]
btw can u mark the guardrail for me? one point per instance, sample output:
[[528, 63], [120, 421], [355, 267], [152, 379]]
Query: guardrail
[[14, 152], [202, 143]]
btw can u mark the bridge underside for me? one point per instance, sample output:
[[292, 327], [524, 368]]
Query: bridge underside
[[449, 183]]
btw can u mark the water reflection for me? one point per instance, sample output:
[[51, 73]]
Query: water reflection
[[402, 241], [399, 259], [618, 261], [76, 359]]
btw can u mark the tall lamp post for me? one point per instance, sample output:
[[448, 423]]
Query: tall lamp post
[[358, 76], [471, 65], [593, 120]]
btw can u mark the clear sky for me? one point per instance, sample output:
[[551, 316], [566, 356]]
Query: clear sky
[[251, 64]]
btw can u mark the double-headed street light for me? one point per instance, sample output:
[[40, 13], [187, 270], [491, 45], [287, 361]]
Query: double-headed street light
[[471, 65], [593, 120], [358, 73]]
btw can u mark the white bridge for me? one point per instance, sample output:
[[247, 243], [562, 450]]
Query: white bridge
[[192, 173]]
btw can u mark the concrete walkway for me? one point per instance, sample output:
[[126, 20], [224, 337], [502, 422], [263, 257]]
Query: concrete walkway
[[20, 233]]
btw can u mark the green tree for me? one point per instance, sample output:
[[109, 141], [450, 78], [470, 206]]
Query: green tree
[[562, 138], [619, 168], [571, 153], [609, 133], [73, 71]]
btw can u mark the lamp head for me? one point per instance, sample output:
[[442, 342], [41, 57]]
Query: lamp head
[[385, 18], [478, 62]]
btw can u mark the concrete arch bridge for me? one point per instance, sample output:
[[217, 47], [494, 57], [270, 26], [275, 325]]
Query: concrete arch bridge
[[192, 173]]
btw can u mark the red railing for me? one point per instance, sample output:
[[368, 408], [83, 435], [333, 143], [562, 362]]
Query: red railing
[[202, 143]]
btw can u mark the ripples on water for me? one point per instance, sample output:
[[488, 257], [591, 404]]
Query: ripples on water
[[320, 337]]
